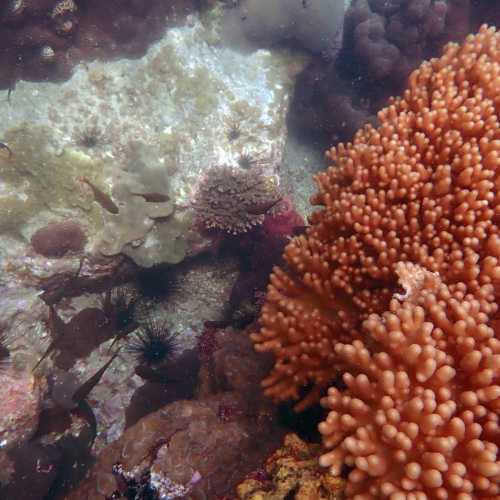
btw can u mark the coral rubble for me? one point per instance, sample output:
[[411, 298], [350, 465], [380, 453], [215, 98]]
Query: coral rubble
[[292, 472]]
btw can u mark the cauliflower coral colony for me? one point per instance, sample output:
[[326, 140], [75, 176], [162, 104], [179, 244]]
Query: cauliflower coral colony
[[394, 289]]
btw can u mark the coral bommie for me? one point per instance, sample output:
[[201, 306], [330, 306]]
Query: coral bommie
[[416, 199]]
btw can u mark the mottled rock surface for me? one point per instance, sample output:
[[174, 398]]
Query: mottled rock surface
[[20, 396], [181, 439], [292, 473]]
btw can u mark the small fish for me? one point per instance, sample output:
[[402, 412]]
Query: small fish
[[6, 148], [263, 208], [88, 385], [101, 197], [153, 197], [57, 328]]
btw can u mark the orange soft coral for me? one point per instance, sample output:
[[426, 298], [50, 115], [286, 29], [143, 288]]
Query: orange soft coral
[[419, 417], [421, 188]]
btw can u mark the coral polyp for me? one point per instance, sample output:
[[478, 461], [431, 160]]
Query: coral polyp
[[153, 343]]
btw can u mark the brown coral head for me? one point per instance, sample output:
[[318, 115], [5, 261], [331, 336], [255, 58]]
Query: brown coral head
[[234, 200], [58, 238]]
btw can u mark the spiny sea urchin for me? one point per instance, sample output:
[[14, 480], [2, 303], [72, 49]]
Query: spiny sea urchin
[[4, 352], [156, 283], [119, 305], [153, 343]]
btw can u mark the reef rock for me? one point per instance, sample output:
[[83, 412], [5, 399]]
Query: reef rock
[[20, 394], [140, 131], [292, 472], [183, 440]]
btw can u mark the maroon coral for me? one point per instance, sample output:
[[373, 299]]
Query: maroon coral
[[59, 238], [44, 39], [384, 40]]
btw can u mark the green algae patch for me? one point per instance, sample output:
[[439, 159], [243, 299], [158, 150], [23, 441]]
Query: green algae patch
[[14, 213], [35, 179]]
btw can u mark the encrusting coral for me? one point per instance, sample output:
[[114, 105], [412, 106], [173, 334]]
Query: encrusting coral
[[416, 197], [58, 238], [292, 471], [143, 224]]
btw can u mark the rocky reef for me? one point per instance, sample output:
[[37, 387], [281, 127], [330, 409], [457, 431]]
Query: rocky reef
[[99, 237], [177, 320], [45, 39]]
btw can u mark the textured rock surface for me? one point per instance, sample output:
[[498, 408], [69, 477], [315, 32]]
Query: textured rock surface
[[171, 110], [223, 435], [55, 458], [44, 39], [292, 473], [20, 395]]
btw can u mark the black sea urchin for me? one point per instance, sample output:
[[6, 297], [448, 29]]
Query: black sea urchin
[[156, 283], [153, 343], [4, 352], [120, 305]]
